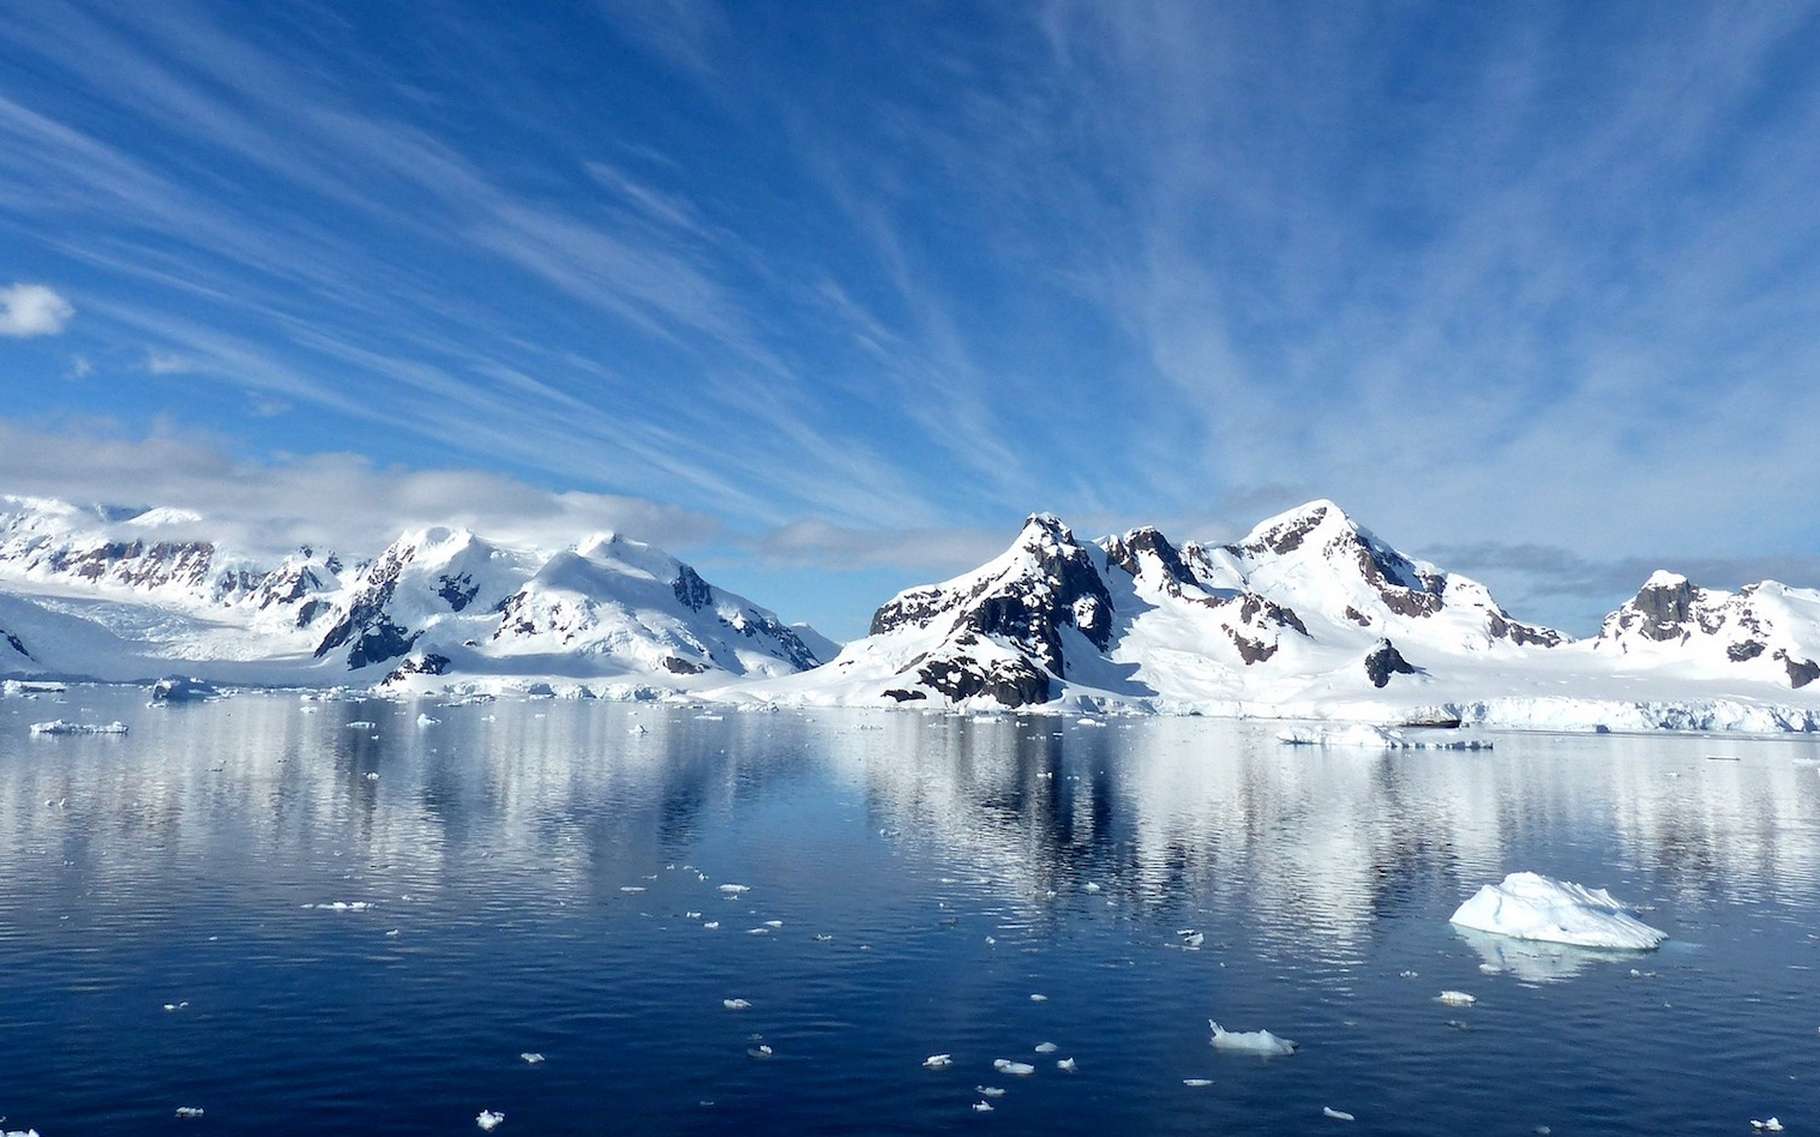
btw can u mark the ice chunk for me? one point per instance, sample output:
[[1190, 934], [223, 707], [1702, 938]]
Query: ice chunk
[[1365, 736], [938, 1061], [426, 720], [1046, 1048], [1773, 1125], [1197, 1083], [1336, 1114], [1017, 1069], [736, 1004], [489, 1120], [982, 1107], [989, 1091], [189, 1111], [532, 1058], [735, 889], [1066, 1066], [58, 726], [1249, 1041], [1530, 906], [1039, 998], [1457, 998]]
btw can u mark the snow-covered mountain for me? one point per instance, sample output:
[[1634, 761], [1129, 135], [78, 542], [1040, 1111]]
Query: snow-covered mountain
[[105, 593], [1767, 631], [1310, 615]]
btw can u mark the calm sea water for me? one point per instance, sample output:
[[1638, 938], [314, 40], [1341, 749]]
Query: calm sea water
[[535, 873]]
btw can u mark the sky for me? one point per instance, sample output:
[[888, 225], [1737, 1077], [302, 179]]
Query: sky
[[827, 297]]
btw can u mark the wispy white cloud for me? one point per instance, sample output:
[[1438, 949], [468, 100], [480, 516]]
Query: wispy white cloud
[[28, 310]]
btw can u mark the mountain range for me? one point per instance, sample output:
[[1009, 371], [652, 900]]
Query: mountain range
[[1310, 615]]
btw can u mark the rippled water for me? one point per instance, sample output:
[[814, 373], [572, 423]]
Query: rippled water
[[499, 849]]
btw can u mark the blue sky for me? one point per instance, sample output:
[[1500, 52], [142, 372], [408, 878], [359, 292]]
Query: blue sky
[[826, 297]]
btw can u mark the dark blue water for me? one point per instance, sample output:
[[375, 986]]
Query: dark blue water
[[174, 866]]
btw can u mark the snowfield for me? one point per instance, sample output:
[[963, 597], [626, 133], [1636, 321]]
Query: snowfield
[[1309, 618]]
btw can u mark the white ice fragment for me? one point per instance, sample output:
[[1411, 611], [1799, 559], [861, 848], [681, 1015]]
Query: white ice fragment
[[1773, 1125], [990, 1091], [1017, 1069], [1092, 887], [1250, 1041], [1336, 1114], [1039, 998], [532, 1058], [1530, 906], [360, 724], [58, 726], [711, 925], [1066, 1066], [189, 1111], [736, 1004], [489, 1120], [1046, 1048], [735, 889], [1456, 998], [426, 720], [982, 1107], [1197, 1083], [938, 1061]]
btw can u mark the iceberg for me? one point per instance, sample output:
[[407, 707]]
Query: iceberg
[[1365, 736], [1249, 1041], [1530, 906]]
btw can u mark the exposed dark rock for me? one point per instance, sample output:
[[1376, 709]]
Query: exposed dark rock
[[15, 643], [903, 696], [1254, 605], [1384, 661], [680, 666], [423, 663], [457, 591], [379, 642], [1250, 650], [1664, 610], [1287, 537], [1358, 617], [1013, 682], [692, 590], [1801, 672], [1745, 650], [1502, 627], [1126, 552]]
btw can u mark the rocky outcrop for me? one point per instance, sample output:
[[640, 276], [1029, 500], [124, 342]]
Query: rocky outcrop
[[1384, 661]]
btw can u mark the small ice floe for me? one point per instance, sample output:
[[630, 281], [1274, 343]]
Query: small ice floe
[[1456, 998], [989, 1091], [392, 933], [1336, 1114], [774, 923], [711, 926], [1091, 887], [1530, 906], [360, 724], [372, 775], [426, 720], [1249, 1041], [691, 915], [1490, 969], [736, 1004], [1066, 1066], [342, 906], [489, 1119], [1197, 1083], [823, 937], [1365, 736], [938, 1061], [531, 1058], [990, 940], [1046, 1048], [1039, 998], [1410, 974], [1016, 1069], [1773, 1125], [761, 1051], [759, 931], [631, 888], [189, 1111], [1089, 722], [59, 726], [982, 1107], [735, 889], [639, 730], [1193, 940], [177, 1006], [709, 718]]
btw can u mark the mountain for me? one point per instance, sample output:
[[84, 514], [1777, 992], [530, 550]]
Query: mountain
[[1767, 631], [118, 594], [1311, 614]]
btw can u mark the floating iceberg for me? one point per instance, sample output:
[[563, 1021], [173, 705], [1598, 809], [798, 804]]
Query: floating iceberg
[[938, 1061], [1016, 1069], [1530, 906], [182, 689], [58, 726], [489, 1119], [1249, 1041]]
